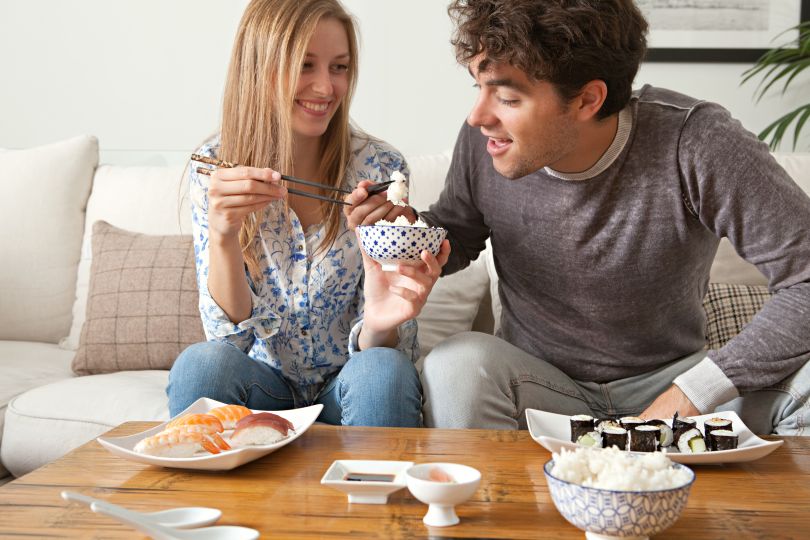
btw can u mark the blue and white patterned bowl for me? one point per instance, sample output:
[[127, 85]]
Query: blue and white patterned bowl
[[391, 245], [604, 513]]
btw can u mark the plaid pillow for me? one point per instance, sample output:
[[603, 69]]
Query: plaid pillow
[[141, 304], [729, 308]]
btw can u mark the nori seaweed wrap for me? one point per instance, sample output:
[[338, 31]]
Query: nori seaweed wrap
[[644, 438], [681, 424], [614, 436], [629, 422], [580, 425], [712, 425], [723, 439], [690, 441], [667, 437]]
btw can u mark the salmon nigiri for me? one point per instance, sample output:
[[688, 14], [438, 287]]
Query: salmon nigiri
[[229, 415]]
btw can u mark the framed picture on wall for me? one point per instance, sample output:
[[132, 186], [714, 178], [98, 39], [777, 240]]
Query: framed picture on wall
[[719, 30]]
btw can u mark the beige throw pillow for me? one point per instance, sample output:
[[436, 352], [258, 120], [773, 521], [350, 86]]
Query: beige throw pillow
[[44, 192], [141, 304]]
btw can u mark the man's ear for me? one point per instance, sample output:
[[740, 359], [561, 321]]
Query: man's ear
[[591, 98]]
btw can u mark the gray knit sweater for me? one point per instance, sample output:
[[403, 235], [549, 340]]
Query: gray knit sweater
[[604, 276]]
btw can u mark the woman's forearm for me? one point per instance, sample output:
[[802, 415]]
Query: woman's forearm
[[227, 283]]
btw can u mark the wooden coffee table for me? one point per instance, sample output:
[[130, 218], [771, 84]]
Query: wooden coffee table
[[281, 495]]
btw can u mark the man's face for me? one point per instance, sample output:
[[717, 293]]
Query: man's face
[[528, 124]]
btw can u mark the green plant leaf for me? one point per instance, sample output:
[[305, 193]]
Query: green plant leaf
[[782, 64], [800, 124]]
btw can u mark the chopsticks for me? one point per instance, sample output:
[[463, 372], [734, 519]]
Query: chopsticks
[[228, 164], [372, 190]]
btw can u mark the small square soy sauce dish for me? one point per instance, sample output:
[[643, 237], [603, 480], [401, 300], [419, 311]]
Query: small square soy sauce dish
[[366, 481]]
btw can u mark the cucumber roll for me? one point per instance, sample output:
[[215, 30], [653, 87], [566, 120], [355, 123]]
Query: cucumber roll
[[614, 436], [691, 441], [712, 425], [722, 439], [592, 439], [580, 425], [667, 437], [644, 438]]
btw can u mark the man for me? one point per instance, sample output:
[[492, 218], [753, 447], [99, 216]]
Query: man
[[605, 209]]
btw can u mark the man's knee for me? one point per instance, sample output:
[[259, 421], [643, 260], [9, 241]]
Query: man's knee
[[464, 356]]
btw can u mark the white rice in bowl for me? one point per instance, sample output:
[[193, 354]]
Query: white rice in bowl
[[402, 221], [616, 470]]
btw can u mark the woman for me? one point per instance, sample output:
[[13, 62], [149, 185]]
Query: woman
[[291, 317]]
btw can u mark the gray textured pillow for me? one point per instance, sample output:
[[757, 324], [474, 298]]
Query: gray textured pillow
[[141, 304], [729, 308]]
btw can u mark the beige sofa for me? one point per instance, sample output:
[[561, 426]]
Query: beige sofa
[[56, 193]]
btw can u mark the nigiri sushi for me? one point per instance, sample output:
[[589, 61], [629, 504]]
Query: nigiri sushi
[[212, 423], [259, 429], [229, 415], [176, 443]]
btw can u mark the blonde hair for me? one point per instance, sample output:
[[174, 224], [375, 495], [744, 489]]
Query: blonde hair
[[268, 54]]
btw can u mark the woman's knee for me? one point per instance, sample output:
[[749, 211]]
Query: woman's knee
[[389, 369], [206, 357]]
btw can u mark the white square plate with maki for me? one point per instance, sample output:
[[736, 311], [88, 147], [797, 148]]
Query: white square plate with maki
[[553, 432], [224, 461]]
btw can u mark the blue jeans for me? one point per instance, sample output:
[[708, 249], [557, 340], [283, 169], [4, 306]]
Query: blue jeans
[[376, 387], [475, 380]]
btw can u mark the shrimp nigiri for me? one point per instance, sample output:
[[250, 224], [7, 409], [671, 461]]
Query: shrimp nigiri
[[176, 443], [229, 415], [211, 422]]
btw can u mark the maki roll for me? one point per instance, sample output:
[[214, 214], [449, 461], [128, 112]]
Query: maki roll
[[602, 425], [580, 425], [682, 424], [592, 439], [644, 438], [712, 425], [691, 441], [722, 439], [667, 437], [614, 436], [629, 422]]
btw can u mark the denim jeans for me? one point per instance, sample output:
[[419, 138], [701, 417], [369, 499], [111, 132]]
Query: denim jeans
[[376, 387], [475, 380]]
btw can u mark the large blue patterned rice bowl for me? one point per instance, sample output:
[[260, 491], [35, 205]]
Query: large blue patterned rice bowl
[[604, 513], [391, 245]]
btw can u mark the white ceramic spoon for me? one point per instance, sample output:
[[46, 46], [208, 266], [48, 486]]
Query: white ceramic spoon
[[161, 532], [179, 518]]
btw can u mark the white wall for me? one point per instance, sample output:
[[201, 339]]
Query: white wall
[[146, 76]]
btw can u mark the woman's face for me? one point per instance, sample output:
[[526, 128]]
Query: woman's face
[[324, 79]]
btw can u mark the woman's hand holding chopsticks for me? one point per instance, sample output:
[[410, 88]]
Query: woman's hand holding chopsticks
[[234, 193]]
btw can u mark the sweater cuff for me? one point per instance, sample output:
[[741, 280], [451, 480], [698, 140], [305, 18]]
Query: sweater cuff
[[706, 386]]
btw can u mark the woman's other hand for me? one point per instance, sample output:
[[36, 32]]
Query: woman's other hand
[[392, 298], [368, 210], [235, 193]]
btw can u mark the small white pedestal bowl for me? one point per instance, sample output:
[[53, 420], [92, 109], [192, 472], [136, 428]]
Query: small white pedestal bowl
[[606, 514], [391, 245], [442, 497]]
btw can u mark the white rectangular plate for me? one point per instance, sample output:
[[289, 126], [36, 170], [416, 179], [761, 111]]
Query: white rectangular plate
[[226, 460], [366, 492], [553, 432]]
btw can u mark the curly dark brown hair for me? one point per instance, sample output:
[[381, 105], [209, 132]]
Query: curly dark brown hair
[[565, 42]]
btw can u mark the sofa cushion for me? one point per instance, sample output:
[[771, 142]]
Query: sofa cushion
[[51, 420], [454, 300], [150, 200], [141, 304], [26, 365], [45, 191], [728, 309]]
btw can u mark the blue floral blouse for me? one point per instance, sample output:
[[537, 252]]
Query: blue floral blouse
[[308, 308]]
